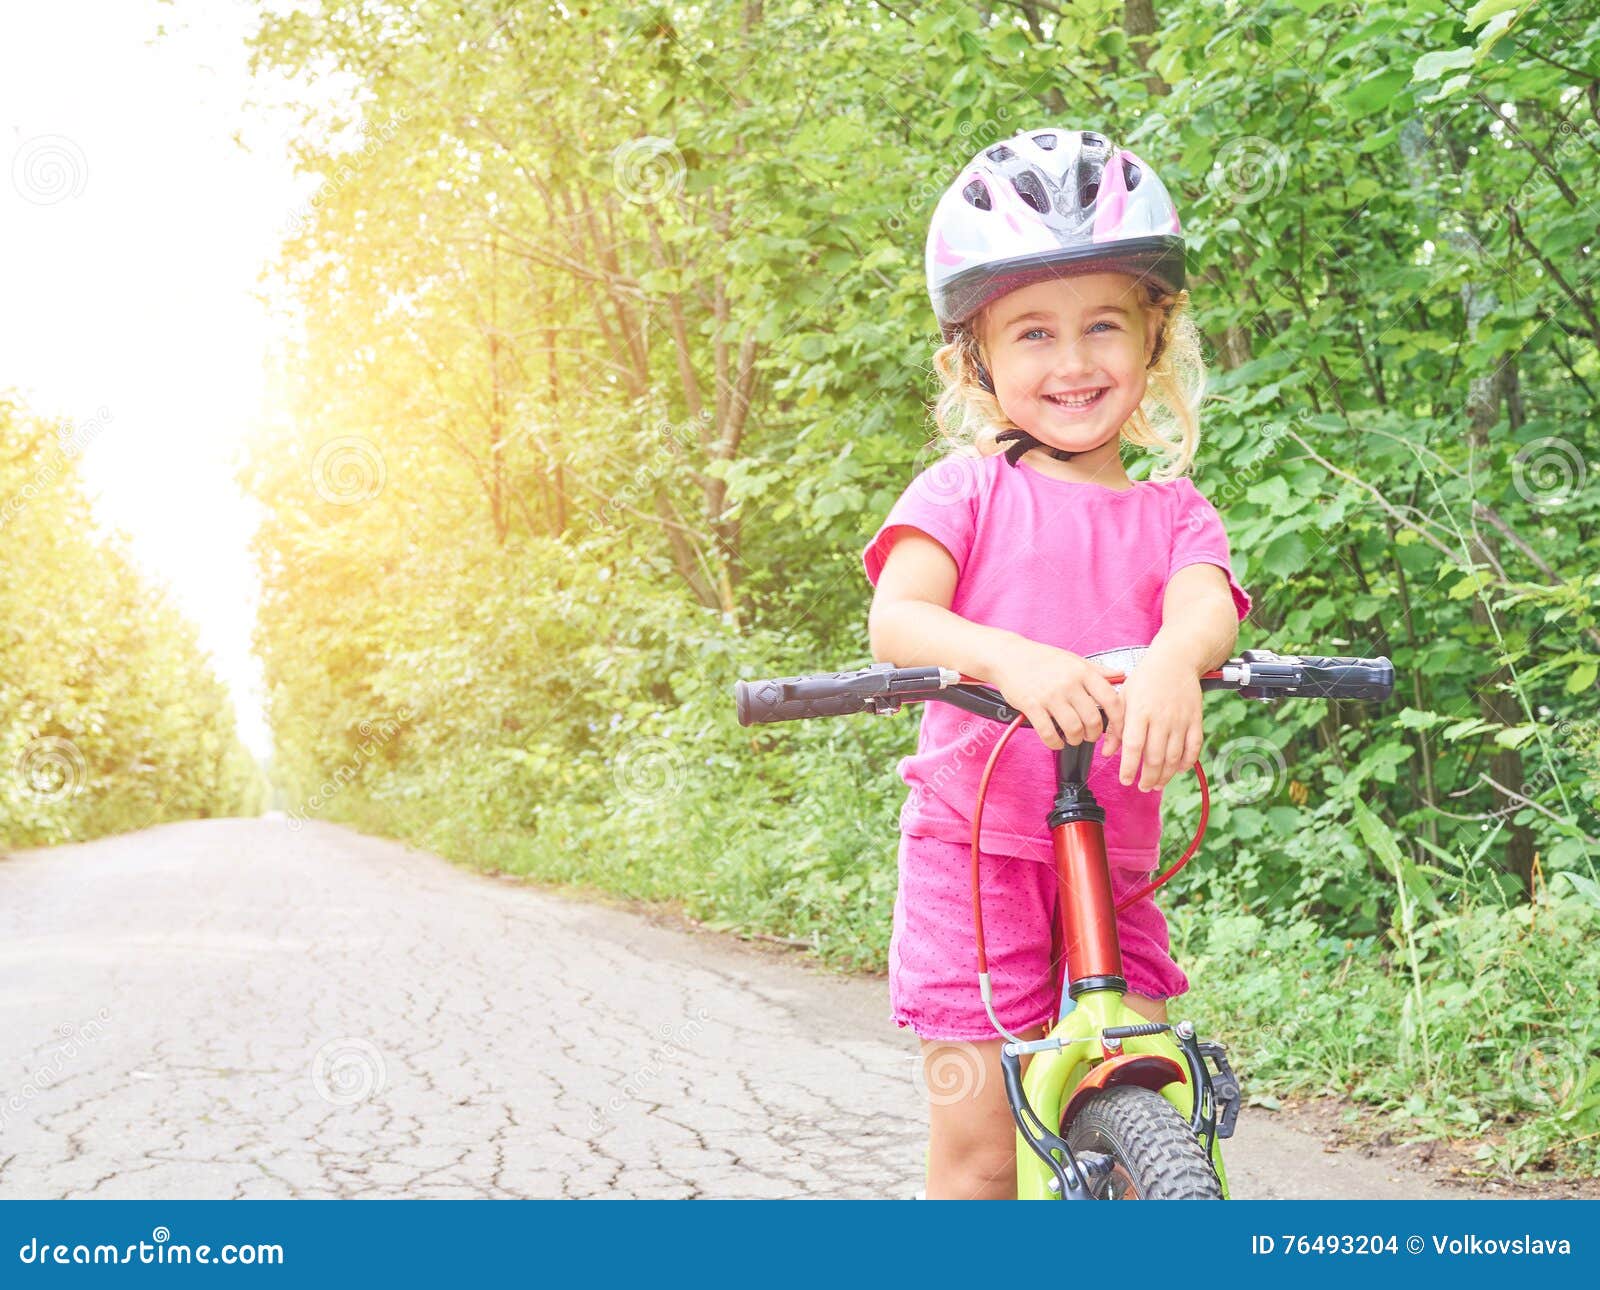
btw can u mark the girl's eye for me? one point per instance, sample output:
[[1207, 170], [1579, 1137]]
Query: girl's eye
[[1040, 330]]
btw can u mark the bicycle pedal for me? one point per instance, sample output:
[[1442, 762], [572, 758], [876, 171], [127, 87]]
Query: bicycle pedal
[[1224, 1087]]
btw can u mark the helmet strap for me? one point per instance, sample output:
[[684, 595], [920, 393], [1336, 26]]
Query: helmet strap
[[1024, 442], [1161, 338]]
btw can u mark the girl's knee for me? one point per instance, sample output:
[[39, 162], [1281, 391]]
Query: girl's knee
[[978, 1172]]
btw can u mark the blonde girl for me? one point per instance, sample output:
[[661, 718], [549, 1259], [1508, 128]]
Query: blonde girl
[[1055, 266]]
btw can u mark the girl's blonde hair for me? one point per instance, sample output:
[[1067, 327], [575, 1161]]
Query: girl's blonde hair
[[1167, 419]]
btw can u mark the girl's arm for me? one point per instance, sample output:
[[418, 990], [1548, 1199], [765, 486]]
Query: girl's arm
[[911, 624], [1199, 625], [1199, 628]]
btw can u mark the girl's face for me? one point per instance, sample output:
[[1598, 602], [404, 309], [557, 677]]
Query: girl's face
[[1050, 345]]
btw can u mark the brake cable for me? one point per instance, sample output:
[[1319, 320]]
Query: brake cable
[[1129, 899]]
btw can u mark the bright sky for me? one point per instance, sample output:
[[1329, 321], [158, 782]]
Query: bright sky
[[132, 233]]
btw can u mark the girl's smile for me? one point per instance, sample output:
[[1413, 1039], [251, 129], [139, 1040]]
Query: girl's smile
[[1073, 405]]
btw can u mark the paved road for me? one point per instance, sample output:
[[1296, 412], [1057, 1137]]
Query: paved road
[[232, 1008]]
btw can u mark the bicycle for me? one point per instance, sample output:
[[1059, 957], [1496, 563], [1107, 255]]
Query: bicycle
[[1112, 1106]]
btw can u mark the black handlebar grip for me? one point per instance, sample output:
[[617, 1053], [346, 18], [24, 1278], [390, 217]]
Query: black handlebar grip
[[1345, 678], [830, 694], [793, 698]]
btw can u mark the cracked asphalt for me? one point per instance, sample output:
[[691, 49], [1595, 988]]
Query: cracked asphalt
[[232, 1008]]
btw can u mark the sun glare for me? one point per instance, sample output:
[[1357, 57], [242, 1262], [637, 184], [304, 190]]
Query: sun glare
[[147, 185]]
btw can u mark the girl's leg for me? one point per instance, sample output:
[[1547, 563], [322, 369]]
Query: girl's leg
[[971, 1136], [1146, 1007]]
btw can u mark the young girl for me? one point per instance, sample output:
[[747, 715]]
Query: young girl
[[1056, 271]]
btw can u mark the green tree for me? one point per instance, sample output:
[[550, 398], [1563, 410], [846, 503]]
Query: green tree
[[110, 715]]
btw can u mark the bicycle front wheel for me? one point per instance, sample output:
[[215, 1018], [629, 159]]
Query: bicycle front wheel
[[1155, 1154]]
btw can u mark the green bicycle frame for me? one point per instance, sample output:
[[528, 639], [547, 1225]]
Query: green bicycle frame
[[1053, 1075]]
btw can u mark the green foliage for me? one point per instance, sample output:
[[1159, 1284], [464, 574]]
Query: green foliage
[[1496, 1045], [110, 717], [630, 320]]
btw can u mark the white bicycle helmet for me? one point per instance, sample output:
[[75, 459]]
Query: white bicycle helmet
[[1045, 204]]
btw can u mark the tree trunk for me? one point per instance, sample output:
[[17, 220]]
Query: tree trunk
[[1505, 766], [1139, 25], [1484, 398], [556, 484], [497, 464]]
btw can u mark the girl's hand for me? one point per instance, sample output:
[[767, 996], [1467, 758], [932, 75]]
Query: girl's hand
[[1162, 723], [1057, 690]]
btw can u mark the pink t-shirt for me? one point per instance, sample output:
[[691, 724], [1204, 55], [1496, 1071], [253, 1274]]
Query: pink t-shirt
[[1079, 566]]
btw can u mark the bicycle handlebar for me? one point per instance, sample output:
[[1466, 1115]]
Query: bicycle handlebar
[[883, 688], [1315, 676], [836, 694]]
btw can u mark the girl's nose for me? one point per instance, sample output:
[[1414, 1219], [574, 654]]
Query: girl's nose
[[1073, 361]]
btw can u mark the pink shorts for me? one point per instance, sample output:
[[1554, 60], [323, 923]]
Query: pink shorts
[[933, 956]]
